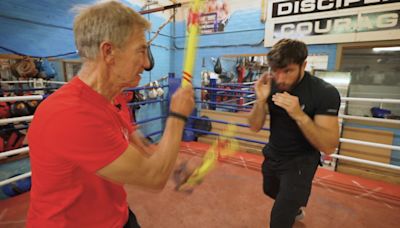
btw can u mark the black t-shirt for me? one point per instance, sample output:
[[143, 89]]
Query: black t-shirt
[[316, 97]]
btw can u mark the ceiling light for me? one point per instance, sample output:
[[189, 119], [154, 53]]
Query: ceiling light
[[383, 49]]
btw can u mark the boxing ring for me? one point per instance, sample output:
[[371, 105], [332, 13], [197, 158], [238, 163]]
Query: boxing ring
[[231, 195]]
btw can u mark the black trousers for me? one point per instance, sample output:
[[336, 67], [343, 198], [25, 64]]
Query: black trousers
[[289, 182], [132, 221]]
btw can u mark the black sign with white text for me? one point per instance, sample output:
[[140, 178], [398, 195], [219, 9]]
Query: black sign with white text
[[332, 21], [338, 25], [298, 7]]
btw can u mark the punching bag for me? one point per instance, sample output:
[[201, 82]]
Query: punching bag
[[151, 59], [218, 67]]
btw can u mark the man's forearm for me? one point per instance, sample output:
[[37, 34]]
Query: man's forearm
[[168, 148], [322, 139], [257, 115]]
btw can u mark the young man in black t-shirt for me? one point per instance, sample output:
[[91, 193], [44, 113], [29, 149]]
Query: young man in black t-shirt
[[303, 113]]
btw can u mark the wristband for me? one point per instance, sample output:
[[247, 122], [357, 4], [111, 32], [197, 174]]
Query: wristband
[[177, 115]]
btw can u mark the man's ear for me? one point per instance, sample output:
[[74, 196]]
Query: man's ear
[[303, 67], [107, 52]]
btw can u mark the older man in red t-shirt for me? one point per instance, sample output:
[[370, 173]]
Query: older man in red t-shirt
[[80, 145]]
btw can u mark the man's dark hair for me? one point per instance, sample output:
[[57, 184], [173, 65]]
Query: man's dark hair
[[287, 51]]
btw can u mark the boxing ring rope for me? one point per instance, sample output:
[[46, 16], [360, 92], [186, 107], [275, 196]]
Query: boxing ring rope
[[378, 100], [15, 120], [237, 84], [225, 122], [237, 100], [22, 98], [21, 150], [13, 128], [16, 178], [145, 88], [250, 102], [364, 161], [32, 81], [336, 156], [19, 98], [371, 144], [234, 95], [219, 103], [242, 109], [147, 102], [372, 119], [217, 134], [15, 90], [220, 89]]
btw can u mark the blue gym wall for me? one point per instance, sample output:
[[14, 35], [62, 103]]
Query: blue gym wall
[[42, 28], [244, 34]]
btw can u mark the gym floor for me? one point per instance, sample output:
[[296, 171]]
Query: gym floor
[[231, 196]]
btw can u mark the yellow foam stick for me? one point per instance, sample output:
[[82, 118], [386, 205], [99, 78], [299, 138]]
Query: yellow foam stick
[[232, 145], [225, 145], [207, 165], [191, 44], [228, 144]]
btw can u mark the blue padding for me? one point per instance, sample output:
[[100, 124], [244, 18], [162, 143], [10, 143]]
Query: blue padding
[[174, 84]]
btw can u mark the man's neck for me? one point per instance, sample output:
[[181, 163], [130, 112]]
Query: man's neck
[[99, 79], [301, 76], [298, 81]]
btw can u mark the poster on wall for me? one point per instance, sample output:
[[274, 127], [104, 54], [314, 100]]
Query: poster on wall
[[214, 16], [332, 21], [218, 15], [317, 62]]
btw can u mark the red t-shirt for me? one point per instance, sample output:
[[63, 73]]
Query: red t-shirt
[[74, 133], [121, 101]]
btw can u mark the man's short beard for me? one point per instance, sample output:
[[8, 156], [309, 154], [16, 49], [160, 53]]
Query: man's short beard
[[294, 84]]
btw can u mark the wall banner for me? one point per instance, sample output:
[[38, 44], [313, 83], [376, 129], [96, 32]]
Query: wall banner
[[332, 21]]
